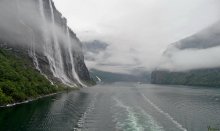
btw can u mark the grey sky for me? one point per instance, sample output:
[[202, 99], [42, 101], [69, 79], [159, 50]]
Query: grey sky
[[138, 31]]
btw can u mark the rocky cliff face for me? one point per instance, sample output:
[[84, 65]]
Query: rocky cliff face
[[38, 29]]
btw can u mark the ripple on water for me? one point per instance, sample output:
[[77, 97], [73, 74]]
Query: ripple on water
[[81, 122], [165, 114], [133, 118]]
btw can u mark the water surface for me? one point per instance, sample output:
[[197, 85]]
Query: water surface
[[119, 107]]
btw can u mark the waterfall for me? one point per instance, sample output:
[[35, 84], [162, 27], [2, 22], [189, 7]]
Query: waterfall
[[42, 14], [57, 61], [47, 35], [75, 75], [32, 51], [44, 23], [54, 56]]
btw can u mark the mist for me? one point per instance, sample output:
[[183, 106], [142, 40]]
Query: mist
[[21, 23], [183, 60], [39, 29], [138, 31], [199, 51]]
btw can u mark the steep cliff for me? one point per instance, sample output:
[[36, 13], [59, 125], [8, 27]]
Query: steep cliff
[[38, 29]]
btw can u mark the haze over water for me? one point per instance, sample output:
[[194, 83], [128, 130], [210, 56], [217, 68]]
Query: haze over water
[[121, 107]]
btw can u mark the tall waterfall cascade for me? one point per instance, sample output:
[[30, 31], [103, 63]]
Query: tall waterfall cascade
[[53, 47], [72, 60]]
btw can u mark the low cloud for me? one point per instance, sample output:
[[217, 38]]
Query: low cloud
[[137, 31], [198, 51], [22, 23], [182, 60]]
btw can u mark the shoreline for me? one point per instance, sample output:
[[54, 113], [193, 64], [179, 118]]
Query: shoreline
[[37, 98]]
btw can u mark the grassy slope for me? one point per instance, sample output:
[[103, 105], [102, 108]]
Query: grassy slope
[[19, 80]]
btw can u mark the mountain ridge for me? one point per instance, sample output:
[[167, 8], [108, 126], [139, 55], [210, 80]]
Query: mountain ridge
[[208, 38]]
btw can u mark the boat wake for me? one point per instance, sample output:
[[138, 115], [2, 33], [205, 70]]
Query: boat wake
[[164, 113], [133, 118]]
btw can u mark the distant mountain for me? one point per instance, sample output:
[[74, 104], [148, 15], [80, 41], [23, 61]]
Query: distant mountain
[[95, 46], [207, 38], [200, 77], [92, 49], [109, 77]]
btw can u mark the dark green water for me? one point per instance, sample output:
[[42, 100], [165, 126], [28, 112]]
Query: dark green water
[[119, 107]]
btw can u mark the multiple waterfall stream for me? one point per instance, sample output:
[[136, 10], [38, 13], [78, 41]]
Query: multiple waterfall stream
[[49, 36]]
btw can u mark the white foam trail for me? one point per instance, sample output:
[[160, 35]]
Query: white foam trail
[[153, 124], [131, 117], [137, 119], [82, 120], [164, 113]]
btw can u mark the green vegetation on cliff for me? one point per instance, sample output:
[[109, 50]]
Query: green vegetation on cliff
[[201, 77], [19, 80]]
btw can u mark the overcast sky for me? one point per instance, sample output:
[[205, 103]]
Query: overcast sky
[[138, 31]]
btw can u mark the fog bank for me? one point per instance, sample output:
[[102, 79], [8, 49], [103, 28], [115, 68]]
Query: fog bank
[[137, 31]]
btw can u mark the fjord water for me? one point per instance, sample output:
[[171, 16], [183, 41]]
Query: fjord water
[[119, 107]]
